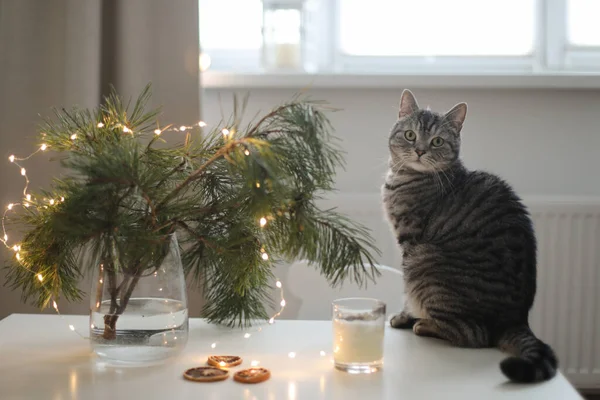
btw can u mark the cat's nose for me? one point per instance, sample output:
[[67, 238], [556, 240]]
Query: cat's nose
[[420, 152]]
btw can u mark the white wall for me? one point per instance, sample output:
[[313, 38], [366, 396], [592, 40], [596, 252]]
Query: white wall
[[544, 142]]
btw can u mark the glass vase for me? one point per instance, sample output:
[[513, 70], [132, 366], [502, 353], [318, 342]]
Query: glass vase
[[139, 311]]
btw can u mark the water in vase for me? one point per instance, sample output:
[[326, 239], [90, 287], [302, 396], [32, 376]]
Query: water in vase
[[150, 330]]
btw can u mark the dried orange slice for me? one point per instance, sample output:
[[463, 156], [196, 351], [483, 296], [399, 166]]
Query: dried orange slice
[[224, 361], [205, 374], [252, 375]]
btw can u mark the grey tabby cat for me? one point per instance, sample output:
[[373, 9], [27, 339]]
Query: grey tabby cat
[[469, 250]]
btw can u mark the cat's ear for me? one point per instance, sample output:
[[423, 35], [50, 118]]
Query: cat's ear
[[408, 104], [456, 116]]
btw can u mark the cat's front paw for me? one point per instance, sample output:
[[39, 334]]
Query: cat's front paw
[[426, 328], [403, 321]]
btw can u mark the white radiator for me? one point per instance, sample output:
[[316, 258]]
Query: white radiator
[[566, 313]]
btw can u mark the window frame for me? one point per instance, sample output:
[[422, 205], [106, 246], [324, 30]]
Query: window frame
[[436, 64], [552, 54]]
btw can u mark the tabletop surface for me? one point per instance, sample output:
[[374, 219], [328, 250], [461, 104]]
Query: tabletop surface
[[40, 358]]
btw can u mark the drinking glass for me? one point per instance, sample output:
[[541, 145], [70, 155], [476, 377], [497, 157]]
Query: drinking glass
[[358, 328]]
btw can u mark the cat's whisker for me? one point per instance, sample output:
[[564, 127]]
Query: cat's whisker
[[393, 166], [397, 168], [448, 179], [437, 175], [439, 182]]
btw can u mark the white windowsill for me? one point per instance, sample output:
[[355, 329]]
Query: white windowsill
[[230, 80]]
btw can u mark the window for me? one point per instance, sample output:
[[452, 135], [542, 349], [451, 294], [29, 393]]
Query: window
[[414, 36], [582, 23], [231, 33], [582, 47], [414, 28]]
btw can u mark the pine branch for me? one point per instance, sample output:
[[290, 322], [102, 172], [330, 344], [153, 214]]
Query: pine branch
[[121, 191]]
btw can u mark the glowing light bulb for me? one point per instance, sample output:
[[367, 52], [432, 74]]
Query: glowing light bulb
[[10, 206], [55, 305], [272, 320], [11, 158], [182, 128], [225, 132], [292, 354], [257, 184], [263, 221], [18, 256], [265, 256], [74, 136], [322, 353], [51, 202], [71, 327], [282, 304], [246, 335], [62, 199], [5, 237], [212, 346], [222, 364], [126, 129], [254, 363], [40, 277], [201, 124], [247, 152], [43, 147], [100, 125], [16, 248], [23, 171], [157, 131], [278, 284], [28, 197]]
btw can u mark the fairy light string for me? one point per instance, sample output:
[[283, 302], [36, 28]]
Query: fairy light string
[[29, 201]]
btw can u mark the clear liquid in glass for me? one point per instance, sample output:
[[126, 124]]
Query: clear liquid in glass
[[151, 330], [138, 307], [358, 334]]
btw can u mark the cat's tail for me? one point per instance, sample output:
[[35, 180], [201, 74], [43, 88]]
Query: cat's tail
[[532, 360]]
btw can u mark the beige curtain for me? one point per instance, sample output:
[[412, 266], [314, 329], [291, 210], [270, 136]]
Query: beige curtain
[[68, 52]]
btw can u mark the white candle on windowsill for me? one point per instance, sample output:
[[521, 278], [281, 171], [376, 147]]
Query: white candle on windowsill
[[287, 55]]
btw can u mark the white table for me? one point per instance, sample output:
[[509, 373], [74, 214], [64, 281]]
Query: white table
[[40, 358]]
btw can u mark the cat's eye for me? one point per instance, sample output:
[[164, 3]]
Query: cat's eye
[[410, 135], [437, 141]]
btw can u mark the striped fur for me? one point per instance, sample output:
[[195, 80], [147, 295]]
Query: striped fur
[[469, 250]]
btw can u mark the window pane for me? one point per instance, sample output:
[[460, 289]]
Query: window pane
[[230, 24], [437, 27], [583, 29]]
